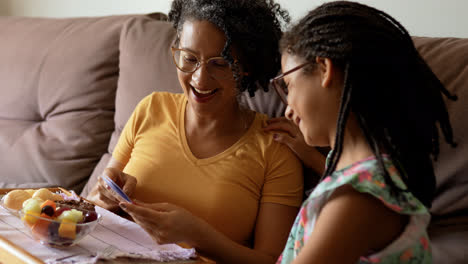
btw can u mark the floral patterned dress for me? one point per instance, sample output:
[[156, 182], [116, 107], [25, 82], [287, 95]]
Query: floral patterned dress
[[412, 246]]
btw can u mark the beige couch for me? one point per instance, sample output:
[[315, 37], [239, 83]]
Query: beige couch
[[67, 87]]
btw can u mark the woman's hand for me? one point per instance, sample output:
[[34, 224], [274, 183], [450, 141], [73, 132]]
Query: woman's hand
[[103, 196], [166, 223], [288, 133]]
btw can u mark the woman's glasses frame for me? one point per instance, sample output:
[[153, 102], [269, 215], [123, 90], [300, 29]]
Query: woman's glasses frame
[[280, 86], [200, 62]]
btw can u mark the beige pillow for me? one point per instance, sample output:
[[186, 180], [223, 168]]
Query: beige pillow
[[145, 66], [448, 231], [57, 89]]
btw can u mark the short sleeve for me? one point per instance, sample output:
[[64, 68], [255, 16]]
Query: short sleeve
[[284, 182], [124, 147]]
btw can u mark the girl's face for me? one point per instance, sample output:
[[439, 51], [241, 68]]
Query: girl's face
[[313, 100], [206, 92]]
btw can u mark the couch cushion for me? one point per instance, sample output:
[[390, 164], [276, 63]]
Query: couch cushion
[[57, 90], [145, 66], [448, 58]]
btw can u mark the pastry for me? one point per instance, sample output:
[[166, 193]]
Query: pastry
[[14, 199], [43, 194]]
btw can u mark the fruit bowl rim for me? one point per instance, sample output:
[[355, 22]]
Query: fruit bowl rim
[[98, 219]]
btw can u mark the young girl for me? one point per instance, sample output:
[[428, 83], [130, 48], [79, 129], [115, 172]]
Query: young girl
[[354, 81]]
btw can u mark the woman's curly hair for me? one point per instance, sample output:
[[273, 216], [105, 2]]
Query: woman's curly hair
[[253, 27]]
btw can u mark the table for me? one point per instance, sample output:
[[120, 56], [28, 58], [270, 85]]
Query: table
[[12, 253]]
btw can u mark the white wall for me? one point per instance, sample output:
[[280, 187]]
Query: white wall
[[442, 18], [435, 18]]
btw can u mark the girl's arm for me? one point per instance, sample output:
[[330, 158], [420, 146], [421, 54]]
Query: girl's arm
[[351, 224]]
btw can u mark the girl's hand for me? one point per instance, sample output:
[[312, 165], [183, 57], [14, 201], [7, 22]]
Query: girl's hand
[[105, 197], [166, 223], [288, 133]]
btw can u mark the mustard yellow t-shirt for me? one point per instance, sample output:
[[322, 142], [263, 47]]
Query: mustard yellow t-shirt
[[227, 189]]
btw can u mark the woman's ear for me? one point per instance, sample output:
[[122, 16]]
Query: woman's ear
[[326, 69]]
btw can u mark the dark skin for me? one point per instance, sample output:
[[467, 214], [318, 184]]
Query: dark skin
[[223, 122], [351, 222], [286, 132]]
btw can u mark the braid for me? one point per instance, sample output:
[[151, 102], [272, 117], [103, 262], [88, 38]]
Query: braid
[[395, 96], [341, 123], [376, 150]]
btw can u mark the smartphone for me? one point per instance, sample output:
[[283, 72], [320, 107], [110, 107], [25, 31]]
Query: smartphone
[[116, 188]]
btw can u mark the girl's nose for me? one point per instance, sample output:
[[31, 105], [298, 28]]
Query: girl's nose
[[289, 113]]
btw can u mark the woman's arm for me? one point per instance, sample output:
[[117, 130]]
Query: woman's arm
[[167, 223], [102, 196], [273, 224]]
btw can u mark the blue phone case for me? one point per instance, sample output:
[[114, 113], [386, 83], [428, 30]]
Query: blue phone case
[[116, 188]]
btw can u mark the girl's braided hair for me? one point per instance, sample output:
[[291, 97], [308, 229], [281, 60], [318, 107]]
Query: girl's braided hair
[[253, 27], [393, 93]]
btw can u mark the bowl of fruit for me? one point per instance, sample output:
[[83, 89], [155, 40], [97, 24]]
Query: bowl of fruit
[[59, 223]]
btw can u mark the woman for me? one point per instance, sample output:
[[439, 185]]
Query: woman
[[202, 169], [354, 81]]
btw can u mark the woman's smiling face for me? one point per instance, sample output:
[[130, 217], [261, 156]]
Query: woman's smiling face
[[205, 93]]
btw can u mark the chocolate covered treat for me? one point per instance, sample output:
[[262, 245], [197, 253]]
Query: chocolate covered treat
[[80, 205]]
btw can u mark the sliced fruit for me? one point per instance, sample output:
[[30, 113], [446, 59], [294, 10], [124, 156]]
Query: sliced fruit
[[48, 208], [73, 215], [49, 203], [32, 205], [90, 216], [30, 218], [60, 210], [67, 229], [41, 227]]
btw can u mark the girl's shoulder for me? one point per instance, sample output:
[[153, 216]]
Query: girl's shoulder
[[366, 176]]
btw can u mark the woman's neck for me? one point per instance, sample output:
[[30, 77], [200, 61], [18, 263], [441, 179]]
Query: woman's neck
[[229, 121]]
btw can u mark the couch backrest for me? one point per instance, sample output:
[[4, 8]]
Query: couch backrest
[[448, 58], [448, 231], [146, 66], [57, 89], [57, 96]]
